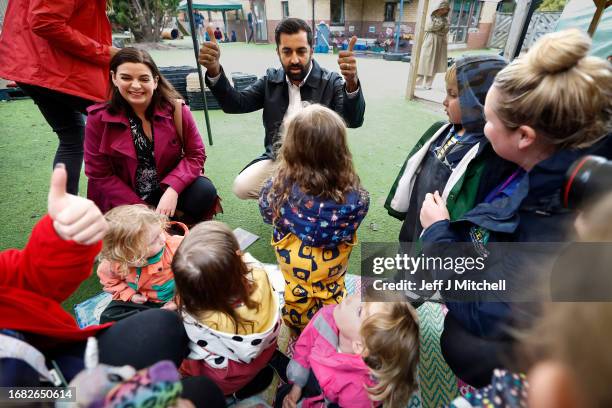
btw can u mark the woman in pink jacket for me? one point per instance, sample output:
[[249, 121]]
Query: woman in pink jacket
[[143, 146]]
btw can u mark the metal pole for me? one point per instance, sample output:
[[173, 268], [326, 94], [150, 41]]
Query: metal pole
[[314, 28], [224, 25], [196, 49], [397, 25]]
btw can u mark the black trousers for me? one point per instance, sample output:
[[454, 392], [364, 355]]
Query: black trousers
[[472, 358], [139, 341], [64, 113], [119, 310], [195, 201]]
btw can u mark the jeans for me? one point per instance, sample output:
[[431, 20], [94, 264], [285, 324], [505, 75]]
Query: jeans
[[64, 113]]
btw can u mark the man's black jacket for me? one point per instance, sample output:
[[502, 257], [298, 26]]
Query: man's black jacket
[[271, 93]]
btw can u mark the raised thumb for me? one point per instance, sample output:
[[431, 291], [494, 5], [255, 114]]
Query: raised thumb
[[352, 43], [211, 34], [59, 178]]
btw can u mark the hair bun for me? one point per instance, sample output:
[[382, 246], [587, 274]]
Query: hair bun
[[559, 51]]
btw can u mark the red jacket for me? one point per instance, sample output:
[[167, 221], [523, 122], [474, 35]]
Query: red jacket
[[110, 156], [62, 45], [34, 281]]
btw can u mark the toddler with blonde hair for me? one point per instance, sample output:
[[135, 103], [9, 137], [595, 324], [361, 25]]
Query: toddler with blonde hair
[[355, 354], [136, 259]]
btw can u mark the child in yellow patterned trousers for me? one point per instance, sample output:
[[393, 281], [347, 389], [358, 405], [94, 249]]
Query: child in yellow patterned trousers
[[315, 203]]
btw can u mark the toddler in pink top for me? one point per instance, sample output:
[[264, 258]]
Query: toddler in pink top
[[357, 354]]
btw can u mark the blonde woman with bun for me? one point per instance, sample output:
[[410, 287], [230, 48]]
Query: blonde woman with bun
[[543, 111]]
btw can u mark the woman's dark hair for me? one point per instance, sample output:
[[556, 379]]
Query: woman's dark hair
[[292, 26], [164, 95]]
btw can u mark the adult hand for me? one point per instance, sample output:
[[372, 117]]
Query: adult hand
[[210, 54], [433, 210], [74, 218], [348, 66], [113, 51], [167, 202], [293, 397], [138, 298]]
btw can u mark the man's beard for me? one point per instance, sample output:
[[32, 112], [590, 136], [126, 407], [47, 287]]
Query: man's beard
[[297, 76]]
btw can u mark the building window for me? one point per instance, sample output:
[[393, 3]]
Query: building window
[[285, 7], [464, 14], [390, 11], [337, 12], [475, 17]]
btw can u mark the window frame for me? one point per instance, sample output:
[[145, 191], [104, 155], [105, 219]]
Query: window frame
[[342, 20], [387, 4], [285, 7]]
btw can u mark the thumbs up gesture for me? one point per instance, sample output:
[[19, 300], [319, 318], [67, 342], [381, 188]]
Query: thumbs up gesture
[[348, 66], [209, 54], [74, 218]]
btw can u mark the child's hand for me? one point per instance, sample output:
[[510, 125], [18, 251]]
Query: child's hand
[[170, 306], [293, 397], [167, 202], [74, 218], [138, 298], [433, 210]]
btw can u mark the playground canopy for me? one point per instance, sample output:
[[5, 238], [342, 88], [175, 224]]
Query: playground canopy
[[212, 5]]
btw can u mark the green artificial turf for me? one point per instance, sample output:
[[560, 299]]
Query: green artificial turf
[[27, 146]]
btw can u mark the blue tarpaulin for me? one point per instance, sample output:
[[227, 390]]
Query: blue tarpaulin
[[578, 14]]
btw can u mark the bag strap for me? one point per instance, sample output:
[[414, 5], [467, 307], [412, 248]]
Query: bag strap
[[178, 119]]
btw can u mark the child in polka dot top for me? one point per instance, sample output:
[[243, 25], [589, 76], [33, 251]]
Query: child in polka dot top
[[230, 310]]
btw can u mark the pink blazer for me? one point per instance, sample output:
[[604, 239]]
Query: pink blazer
[[110, 156]]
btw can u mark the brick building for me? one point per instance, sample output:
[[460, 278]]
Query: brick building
[[471, 20]]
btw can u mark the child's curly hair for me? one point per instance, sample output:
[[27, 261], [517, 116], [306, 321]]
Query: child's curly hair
[[126, 241], [391, 340]]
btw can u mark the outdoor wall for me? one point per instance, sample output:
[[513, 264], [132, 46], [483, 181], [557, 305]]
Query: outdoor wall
[[363, 14], [358, 14], [478, 38]]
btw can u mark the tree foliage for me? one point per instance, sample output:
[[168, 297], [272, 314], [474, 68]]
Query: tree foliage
[[144, 18], [552, 5]]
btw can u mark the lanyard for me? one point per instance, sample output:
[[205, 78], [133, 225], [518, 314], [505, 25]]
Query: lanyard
[[493, 194]]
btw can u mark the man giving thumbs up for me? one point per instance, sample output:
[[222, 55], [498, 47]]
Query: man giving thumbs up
[[283, 91]]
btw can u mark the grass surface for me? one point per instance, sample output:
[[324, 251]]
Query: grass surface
[[392, 126]]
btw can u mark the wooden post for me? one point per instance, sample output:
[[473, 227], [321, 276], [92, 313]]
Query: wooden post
[[519, 19], [416, 49], [600, 5]]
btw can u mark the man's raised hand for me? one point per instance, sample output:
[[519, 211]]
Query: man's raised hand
[[74, 218], [209, 54], [348, 66]]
